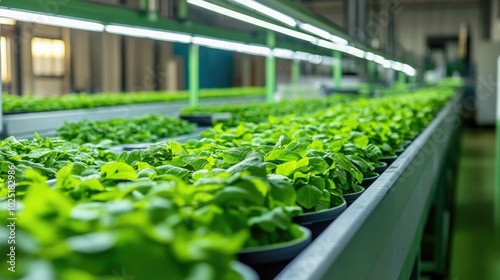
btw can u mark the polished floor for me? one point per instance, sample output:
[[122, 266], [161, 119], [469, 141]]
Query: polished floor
[[475, 248]]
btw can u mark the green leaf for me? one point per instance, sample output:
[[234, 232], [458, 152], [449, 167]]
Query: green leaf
[[253, 165], [118, 171], [308, 196], [173, 170], [270, 220], [286, 168], [315, 145], [91, 243], [318, 165], [282, 155], [282, 189], [336, 146], [361, 141], [65, 179], [237, 196], [235, 155], [146, 173]]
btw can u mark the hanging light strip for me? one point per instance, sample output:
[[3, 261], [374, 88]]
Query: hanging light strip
[[252, 20], [265, 10], [52, 20]]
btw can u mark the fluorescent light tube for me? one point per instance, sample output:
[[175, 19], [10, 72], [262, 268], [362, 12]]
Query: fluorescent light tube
[[315, 30], [52, 20], [283, 53], [370, 56], [397, 66], [232, 46], [379, 59], [387, 64], [331, 45], [339, 40], [149, 33], [315, 59], [355, 52], [409, 70], [265, 10], [322, 33], [252, 20]]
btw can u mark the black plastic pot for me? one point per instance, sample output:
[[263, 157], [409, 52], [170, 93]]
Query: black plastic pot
[[388, 160], [320, 216], [382, 168], [369, 180], [269, 260], [399, 150], [406, 143], [276, 252], [246, 272], [206, 120], [351, 197], [318, 221]]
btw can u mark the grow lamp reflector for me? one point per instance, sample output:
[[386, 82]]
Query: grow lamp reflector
[[52, 20], [149, 33], [265, 10]]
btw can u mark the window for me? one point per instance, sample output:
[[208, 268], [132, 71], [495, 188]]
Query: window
[[4, 59], [48, 57]]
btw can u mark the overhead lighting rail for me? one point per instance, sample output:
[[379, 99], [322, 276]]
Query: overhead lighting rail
[[324, 38], [327, 40]]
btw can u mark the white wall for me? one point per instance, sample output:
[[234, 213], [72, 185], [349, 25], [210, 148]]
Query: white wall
[[412, 27]]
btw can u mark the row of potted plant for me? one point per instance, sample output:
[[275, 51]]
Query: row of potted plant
[[238, 191]]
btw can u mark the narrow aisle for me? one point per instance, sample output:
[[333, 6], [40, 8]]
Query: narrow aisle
[[475, 254]]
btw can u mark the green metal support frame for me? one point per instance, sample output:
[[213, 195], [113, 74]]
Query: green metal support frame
[[337, 69], [497, 168], [372, 72], [295, 72], [401, 78], [194, 75], [183, 10], [270, 68]]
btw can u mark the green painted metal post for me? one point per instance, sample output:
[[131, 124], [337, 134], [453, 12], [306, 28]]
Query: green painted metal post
[[143, 5], [372, 71], [497, 173], [401, 78], [183, 9], [296, 72], [194, 75], [337, 69], [270, 68]]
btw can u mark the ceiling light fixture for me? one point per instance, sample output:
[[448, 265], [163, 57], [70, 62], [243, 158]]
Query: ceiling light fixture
[[232, 46], [52, 20], [149, 33], [265, 10], [252, 20]]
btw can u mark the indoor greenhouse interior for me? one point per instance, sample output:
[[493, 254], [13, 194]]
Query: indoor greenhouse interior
[[250, 139]]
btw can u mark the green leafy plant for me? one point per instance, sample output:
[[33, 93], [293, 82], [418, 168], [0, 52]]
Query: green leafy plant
[[24, 104], [147, 128]]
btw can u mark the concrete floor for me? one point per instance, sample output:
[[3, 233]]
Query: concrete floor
[[475, 249]]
